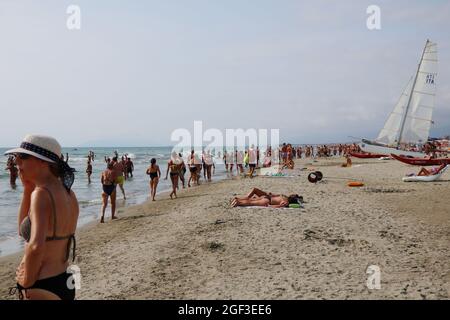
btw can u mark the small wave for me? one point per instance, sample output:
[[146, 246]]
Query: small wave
[[89, 202], [77, 160]]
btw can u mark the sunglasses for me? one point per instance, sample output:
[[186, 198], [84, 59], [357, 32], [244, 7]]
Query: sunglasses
[[22, 156]]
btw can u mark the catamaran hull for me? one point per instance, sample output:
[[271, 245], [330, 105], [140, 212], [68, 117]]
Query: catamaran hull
[[371, 148], [422, 161]]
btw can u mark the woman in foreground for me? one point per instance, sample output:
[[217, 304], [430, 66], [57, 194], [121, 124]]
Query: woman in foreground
[[48, 216]]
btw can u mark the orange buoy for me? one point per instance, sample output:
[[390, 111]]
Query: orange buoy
[[355, 184]]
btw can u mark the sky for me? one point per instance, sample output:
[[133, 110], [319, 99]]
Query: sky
[[138, 70]]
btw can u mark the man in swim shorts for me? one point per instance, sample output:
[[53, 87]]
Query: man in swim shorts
[[118, 172]]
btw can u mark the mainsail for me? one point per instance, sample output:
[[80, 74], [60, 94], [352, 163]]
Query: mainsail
[[411, 118]]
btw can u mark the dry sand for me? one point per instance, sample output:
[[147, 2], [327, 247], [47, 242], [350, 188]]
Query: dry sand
[[198, 247]]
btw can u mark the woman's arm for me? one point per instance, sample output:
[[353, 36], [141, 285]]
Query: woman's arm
[[167, 172], [28, 271]]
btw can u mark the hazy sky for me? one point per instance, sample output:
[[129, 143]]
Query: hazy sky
[[137, 70]]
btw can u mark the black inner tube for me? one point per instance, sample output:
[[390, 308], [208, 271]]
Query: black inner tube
[[319, 175], [314, 177]]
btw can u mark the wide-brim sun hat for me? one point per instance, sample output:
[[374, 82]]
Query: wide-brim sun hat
[[48, 149], [42, 147]]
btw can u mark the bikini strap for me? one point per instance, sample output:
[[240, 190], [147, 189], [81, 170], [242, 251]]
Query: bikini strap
[[53, 213]]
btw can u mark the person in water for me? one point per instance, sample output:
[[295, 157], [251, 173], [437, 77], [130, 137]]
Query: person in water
[[174, 167], [129, 168], [260, 198], [89, 170], [108, 179], [48, 216], [118, 172], [13, 171], [155, 174]]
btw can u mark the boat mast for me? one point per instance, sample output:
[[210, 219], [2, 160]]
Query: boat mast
[[410, 97]]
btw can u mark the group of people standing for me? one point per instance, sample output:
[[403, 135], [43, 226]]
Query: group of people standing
[[242, 158]]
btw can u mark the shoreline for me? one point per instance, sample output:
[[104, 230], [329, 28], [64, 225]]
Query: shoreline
[[16, 247], [198, 247]]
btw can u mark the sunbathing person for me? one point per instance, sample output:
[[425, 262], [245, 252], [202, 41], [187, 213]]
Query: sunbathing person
[[261, 198], [433, 171]]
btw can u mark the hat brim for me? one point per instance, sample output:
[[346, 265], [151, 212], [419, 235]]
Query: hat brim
[[31, 153]]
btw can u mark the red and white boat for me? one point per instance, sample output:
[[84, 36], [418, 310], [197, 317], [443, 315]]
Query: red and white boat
[[366, 155], [421, 161]]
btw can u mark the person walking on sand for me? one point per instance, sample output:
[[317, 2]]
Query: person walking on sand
[[89, 170], [199, 165], [252, 160], [47, 219], [182, 170], [231, 159], [118, 172], [192, 169], [155, 174], [108, 179], [209, 163], [13, 172], [239, 162], [173, 166], [123, 162]]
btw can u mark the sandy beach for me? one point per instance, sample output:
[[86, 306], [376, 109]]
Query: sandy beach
[[198, 247]]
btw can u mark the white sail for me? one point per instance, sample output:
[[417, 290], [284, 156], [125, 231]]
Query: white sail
[[419, 117], [417, 101], [391, 130]]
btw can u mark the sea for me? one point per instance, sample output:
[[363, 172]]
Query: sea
[[89, 195]]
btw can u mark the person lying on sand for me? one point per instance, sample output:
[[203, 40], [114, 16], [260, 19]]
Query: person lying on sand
[[261, 198], [425, 172]]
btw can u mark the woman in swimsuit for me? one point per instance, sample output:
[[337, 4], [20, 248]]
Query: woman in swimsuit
[[192, 169], [89, 170], [261, 198], [109, 191], [174, 166], [155, 174], [182, 170], [208, 164], [48, 216]]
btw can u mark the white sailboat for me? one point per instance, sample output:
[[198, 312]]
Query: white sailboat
[[410, 121]]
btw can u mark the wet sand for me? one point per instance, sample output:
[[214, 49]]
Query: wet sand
[[198, 247]]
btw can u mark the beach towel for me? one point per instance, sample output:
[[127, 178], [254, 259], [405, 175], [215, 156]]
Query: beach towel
[[259, 207]]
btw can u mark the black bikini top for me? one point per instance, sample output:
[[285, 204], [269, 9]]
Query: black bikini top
[[25, 231]]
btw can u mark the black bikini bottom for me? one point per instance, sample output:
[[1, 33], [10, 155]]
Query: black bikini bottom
[[58, 285]]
